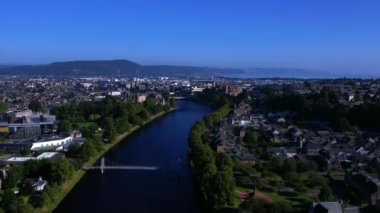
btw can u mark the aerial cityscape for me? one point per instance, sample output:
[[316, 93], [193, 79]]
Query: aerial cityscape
[[175, 106]]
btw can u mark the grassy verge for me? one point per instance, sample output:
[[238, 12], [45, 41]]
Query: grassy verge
[[69, 185], [299, 201]]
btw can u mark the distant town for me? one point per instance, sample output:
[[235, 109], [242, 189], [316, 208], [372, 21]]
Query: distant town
[[304, 144]]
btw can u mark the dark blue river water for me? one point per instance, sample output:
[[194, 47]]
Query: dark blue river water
[[169, 189]]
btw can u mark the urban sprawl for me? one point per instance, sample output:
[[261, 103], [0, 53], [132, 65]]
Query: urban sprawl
[[290, 139]]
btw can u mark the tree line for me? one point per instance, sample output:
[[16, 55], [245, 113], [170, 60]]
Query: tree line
[[113, 116], [326, 106], [213, 171]]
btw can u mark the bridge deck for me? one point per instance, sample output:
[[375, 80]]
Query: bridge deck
[[123, 167]]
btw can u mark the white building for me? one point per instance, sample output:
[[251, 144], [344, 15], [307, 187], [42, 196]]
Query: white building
[[115, 93], [52, 143], [55, 142], [39, 186]]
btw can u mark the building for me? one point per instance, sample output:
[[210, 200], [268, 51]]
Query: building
[[38, 184], [233, 90], [140, 98], [115, 93], [13, 116], [26, 126], [14, 147], [196, 89], [14, 160], [23, 130], [55, 142], [52, 142], [40, 118], [326, 207], [282, 151], [4, 129], [367, 186]]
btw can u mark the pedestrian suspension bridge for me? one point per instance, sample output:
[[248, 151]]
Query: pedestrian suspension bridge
[[116, 166]]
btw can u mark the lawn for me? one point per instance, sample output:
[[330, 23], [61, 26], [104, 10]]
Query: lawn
[[300, 200]]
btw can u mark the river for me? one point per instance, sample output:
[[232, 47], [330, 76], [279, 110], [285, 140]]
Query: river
[[162, 143]]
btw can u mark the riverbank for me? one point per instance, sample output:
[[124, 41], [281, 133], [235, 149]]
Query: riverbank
[[69, 185]]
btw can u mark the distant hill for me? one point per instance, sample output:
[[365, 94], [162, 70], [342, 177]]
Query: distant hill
[[75, 68], [111, 68], [125, 68]]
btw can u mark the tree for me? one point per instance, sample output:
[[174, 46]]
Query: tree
[[64, 126], [358, 96], [25, 151], [290, 165], [291, 177], [255, 205], [74, 150], [223, 182], [9, 201], [224, 162], [135, 119], [35, 168], [49, 195], [3, 107], [62, 171], [321, 162], [24, 207], [97, 144], [276, 164], [87, 150], [88, 131], [122, 125], [172, 102], [35, 106], [251, 139], [144, 114], [305, 165], [15, 175], [325, 193], [109, 134], [343, 124], [223, 189]]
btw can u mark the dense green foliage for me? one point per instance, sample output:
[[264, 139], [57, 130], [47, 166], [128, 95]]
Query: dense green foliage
[[54, 172], [48, 196], [61, 171], [35, 106], [326, 106], [213, 97], [213, 171], [217, 115], [114, 116], [64, 126], [3, 107]]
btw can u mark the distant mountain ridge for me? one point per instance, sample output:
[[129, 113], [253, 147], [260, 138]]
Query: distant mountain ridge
[[125, 68], [74, 68]]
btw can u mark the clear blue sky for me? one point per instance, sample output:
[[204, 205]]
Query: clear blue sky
[[338, 35]]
